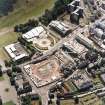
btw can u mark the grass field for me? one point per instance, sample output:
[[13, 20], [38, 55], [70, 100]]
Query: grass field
[[8, 38], [25, 11], [5, 40], [21, 14], [9, 103], [68, 102], [1, 78]]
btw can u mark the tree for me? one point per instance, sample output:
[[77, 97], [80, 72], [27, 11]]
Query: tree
[[58, 102], [7, 64], [49, 102], [14, 68], [48, 15], [76, 100], [51, 96], [27, 87], [33, 23], [1, 103], [66, 1], [58, 9], [16, 28], [12, 80], [9, 73], [1, 73], [22, 41], [18, 69], [26, 100]]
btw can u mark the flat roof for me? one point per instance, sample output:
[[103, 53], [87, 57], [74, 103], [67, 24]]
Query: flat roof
[[60, 26], [16, 51]]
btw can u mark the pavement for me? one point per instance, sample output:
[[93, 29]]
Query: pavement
[[3, 65], [11, 95]]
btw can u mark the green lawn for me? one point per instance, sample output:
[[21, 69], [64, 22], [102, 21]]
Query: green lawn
[[25, 11], [1, 78], [71, 86], [5, 40], [97, 82], [9, 103], [8, 38], [68, 102]]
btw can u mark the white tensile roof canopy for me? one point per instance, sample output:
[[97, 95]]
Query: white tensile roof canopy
[[33, 33]]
